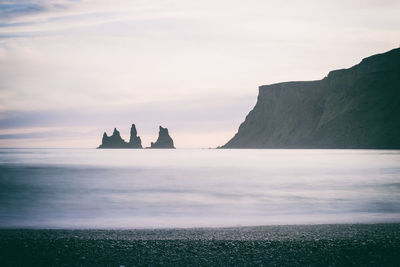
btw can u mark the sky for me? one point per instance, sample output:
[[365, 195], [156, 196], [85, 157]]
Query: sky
[[72, 69]]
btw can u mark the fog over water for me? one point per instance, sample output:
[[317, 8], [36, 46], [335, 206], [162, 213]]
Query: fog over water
[[88, 188]]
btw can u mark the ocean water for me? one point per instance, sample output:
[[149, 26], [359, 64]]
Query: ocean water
[[89, 188]]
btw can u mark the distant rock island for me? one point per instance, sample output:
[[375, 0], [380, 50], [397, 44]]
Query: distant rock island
[[357, 107], [163, 140], [116, 141]]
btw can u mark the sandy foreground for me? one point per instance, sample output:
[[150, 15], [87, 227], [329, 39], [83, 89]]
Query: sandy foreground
[[315, 245]]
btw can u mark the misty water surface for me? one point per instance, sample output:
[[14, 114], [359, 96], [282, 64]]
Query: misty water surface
[[89, 188]]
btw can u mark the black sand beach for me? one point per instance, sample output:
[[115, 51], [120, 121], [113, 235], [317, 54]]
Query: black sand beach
[[310, 245]]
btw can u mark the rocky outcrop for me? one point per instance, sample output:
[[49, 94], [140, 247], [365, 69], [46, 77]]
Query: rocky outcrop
[[357, 107], [116, 141], [113, 141], [134, 141], [164, 140]]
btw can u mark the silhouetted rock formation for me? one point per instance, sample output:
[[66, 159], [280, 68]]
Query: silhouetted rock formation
[[164, 140], [115, 140], [357, 107], [134, 141]]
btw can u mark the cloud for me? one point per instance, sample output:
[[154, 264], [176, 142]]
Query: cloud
[[219, 111], [41, 135], [22, 11], [10, 9]]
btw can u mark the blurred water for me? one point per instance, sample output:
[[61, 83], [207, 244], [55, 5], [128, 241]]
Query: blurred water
[[89, 188]]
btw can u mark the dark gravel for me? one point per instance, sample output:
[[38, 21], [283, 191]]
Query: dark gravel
[[308, 245]]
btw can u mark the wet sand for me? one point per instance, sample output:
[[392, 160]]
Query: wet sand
[[310, 245]]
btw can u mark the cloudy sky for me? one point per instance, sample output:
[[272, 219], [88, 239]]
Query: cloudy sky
[[72, 69]]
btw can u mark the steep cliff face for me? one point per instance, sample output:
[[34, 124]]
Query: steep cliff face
[[116, 141], [163, 140], [350, 108]]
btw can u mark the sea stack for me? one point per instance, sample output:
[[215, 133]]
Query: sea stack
[[113, 141], [116, 141], [164, 140], [134, 141]]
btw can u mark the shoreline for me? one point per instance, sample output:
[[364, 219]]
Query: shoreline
[[205, 229], [315, 245]]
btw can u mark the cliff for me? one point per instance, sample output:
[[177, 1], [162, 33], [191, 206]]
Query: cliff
[[163, 140], [116, 141], [357, 107]]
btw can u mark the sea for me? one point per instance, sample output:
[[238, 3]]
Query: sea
[[191, 188]]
